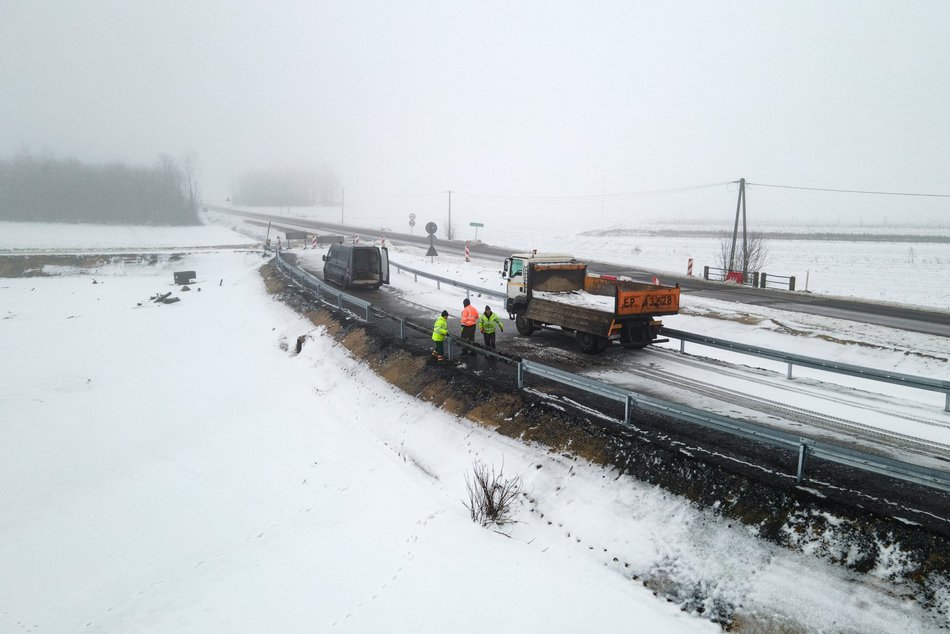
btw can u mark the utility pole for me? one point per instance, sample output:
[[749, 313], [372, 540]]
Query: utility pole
[[740, 204], [342, 203], [448, 229]]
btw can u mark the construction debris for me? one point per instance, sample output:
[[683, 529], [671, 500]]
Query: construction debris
[[164, 298]]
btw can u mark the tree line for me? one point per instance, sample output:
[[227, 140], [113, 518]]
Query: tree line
[[52, 189]]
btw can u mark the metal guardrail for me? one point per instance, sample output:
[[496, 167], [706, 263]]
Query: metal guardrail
[[469, 288], [634, 401], [806, 447], [923, 383], [897, 378]]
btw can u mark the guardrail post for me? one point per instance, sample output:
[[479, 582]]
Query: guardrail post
[[415, 277], [763, 280], [802, 454], [946, 404], [755, 279], [705, 272], [367, 312], [682, 346], [339, 301], [788, 375], [438, 285], [791, 283], [520, 376], [448, 348], [402, 328], [628, 406]]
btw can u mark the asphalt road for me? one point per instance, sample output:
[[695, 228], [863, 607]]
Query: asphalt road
[[903, 317]]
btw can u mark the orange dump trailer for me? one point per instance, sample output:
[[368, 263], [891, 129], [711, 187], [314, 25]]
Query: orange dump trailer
[[555, 290]]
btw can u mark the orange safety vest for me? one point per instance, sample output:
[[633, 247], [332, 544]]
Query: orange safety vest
[[469, 316]]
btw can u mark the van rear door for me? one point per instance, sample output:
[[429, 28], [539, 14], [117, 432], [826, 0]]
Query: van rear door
[[384, 265]]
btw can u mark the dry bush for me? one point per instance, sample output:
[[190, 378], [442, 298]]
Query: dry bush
[[491, 496], [750, 259]]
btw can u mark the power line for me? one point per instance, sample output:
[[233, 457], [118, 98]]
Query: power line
[[591, 197], [577, 198], [851, 191]]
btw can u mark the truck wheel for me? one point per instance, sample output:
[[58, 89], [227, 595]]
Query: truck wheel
[[602, 343], [591, 344], [636, 336], [524, 325]]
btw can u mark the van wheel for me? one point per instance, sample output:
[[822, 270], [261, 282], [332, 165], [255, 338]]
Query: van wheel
[[524, 325]]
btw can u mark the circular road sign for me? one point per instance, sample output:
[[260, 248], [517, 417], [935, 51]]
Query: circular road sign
[[412, 223], [431, 227], [412, 216]]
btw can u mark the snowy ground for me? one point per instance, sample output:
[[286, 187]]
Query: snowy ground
[[24, 237], [174, 468]]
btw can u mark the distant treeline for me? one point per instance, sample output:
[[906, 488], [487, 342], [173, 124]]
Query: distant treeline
[[287, 188], [66, 190]]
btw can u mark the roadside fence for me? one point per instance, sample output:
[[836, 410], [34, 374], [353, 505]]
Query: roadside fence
[[755, 279]]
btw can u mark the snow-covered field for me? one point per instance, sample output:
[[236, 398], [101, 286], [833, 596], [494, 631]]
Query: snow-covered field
[[19, 237], [173, 468]]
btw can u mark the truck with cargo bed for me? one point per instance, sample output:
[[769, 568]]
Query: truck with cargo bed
[[557, 290]]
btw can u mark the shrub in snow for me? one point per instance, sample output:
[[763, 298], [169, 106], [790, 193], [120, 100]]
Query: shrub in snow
[[491, 496]]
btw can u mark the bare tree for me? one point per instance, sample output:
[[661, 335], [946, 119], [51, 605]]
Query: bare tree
[[491, 496], [754, 257], [189, 168]]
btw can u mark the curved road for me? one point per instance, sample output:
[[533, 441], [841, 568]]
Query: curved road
[[923, 320]]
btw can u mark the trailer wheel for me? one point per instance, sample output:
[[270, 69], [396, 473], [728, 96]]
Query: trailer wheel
[[591, 344], [524, 325], [636, 336]]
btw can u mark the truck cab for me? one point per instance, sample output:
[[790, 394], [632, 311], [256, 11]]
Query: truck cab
[[516, 274]]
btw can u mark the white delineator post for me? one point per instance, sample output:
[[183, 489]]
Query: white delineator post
[[466, 252], [313, 242]]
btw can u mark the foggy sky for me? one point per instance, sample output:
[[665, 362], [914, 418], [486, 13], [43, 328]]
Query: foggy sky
[[549, 98]]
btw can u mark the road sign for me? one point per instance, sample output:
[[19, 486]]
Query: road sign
[[412, 222], [412, 217], [431, 228], [476, 225]]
